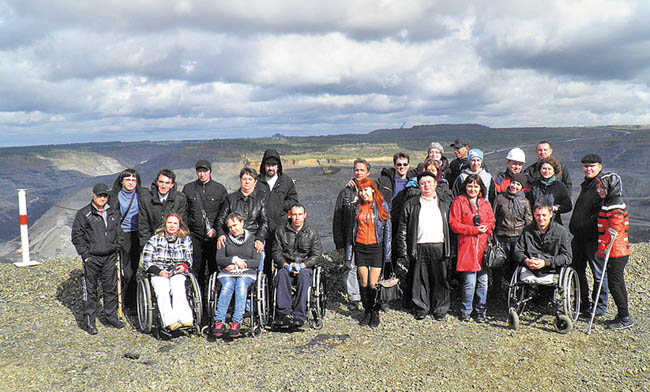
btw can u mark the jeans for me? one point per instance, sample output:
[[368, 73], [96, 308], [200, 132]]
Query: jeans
[[351, 280], [470, 287], [284, 301], [229, 285]]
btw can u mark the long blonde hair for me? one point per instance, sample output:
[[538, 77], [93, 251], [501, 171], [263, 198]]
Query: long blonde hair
[[182, 230]]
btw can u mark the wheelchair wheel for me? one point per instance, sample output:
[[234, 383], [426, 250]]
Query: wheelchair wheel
[[144, 306], [513, 318], [261, 302], [212, 298], [570, 294], [194, 298], [317, 300], [562, 324], [517, 293]]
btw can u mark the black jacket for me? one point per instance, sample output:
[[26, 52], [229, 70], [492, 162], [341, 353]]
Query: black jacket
[[556, 193], [152, 211], [386, 185], [344, 216], [455, 168], [407, 228], [584, 221], [278, 200], [532, 173], [554, 246], [293, 246], [209, 195], [250, 207], [91, 236], [114, 200]]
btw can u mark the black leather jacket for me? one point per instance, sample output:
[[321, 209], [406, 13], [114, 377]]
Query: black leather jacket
[[250, 207], [407, 230], [211, 195], [345, 212], [152, 212], [293, 246]]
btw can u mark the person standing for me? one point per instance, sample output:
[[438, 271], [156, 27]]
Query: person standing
[[613, 215], [584, 227], [549, 187], [544, 150], [342, 224], [372, 236], [475, 161], [471, 217], [204, 198], [279, 193], [162, 199], [514, 164], [423, 242], [436, 152], [126, 197], [96, 236], [461, 149]]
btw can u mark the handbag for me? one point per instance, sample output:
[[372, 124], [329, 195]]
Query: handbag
[[494, 255], [389, 289]]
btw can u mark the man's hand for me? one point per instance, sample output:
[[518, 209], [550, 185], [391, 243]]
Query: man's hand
[[259, 246], [535, 263], [221, 241], [212, 233]]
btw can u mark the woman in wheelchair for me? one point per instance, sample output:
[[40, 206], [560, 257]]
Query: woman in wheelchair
[[238, 261], [167, 256]]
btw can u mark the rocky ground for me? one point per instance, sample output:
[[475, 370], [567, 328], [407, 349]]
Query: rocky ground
[[42, 348]]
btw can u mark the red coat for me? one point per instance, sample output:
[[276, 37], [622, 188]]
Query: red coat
[[471, 244], [614, 217]]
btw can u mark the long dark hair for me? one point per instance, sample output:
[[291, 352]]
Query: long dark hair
[[477, 179], [377, 197]]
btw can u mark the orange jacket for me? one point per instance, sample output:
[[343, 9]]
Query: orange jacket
[[615, 217]]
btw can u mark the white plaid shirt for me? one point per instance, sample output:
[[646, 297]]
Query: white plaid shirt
[[165, 255]]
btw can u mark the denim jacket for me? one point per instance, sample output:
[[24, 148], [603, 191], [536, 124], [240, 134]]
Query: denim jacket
[[383, 233]]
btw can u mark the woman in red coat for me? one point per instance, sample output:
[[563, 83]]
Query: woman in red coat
[[471, 217], [613, 215]]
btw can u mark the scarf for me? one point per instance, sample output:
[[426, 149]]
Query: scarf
[[241, 239], [514, 203], [549, 181]]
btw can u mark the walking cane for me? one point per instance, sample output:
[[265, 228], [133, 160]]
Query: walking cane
[[613, 235], [120, 314]]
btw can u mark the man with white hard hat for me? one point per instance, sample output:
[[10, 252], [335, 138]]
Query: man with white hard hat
[[514, 164]]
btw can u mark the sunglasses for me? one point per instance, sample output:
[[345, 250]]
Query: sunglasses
[[401, 164]]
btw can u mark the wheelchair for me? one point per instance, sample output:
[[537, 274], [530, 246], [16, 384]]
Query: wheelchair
[[257, 304], [316, 299], [523, 289], [147, 306]]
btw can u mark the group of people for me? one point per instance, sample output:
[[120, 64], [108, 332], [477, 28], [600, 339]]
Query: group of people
[[433, 221], [202, 229]]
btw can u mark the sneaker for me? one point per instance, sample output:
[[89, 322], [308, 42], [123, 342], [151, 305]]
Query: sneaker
[[465, 318], [365, 320], [91, 328], [480, 318], [174, 326], [354, 305], [234, 330], [115, 323], [188, 324], [374, 320], [219, 329], [620, 323], [298, 323]]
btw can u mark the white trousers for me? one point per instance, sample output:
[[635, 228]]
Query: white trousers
[[175, 308]]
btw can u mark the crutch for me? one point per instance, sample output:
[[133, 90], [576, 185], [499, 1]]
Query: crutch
[[120, 314], [612, 234]]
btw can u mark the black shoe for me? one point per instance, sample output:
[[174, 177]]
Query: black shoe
[[115, 323], [297, 323], [620, 323], [91, 328], [374, 320], [281, 320], [420, 315], [480, 318], [365, 320], [465, 318], [440, 317]]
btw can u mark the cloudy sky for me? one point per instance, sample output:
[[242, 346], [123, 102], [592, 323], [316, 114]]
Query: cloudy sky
[[76, 71]]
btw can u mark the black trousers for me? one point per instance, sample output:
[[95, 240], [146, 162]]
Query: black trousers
[[129, 261], [284, 299], [204, 259], [98, 268], [430, 289], [616, 282]]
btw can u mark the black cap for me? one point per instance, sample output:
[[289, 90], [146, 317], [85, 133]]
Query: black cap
[[271, 161], [101, 189], [427, 174], [203, 164], [520, 178], [459, 143], [592, 158]]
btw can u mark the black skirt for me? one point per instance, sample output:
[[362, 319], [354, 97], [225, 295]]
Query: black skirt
[[368, 255]]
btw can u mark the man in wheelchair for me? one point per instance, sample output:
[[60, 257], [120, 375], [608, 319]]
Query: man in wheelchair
[[296, 250]]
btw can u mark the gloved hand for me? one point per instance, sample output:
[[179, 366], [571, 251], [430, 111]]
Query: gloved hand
[[182, 268]]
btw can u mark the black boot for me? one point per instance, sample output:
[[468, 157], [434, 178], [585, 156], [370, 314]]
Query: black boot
[[373, 305], [364, 300]]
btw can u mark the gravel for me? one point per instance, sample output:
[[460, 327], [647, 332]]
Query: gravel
[[42, 347]]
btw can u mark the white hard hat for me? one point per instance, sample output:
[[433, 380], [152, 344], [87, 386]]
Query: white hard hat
[[516, 154]]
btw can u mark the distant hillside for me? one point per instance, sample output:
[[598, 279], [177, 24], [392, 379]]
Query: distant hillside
[[64, 174]]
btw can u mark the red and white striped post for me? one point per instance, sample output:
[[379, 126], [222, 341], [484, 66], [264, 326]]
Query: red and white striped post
[[24, 235]]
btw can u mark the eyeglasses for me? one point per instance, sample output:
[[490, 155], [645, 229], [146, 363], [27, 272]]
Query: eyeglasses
[[401, 164]]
